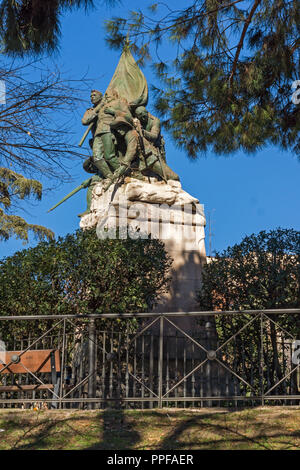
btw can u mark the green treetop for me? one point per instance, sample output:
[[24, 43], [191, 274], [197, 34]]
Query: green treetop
[[229, 85], [33, 26], [261, 272], [81, 274]]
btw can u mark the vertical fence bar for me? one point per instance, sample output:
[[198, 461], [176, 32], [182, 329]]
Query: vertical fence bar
[[184, 372], [285, 382], [81, 366], [92, 358], [63, 372], [151, 369], [103, 381], [176, 372], [111, 366], [143, 369], [97, 384], [74, 365], [167, 366], [193, 376], [262, 360], [269, 383], [20, 378], [208, 374], [127, 373], [119, 373], [62, 369], [134, 391], [160, 363]]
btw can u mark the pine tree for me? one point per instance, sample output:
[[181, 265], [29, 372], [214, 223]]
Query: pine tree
[[15, 186], [33, 26], [229, 86]]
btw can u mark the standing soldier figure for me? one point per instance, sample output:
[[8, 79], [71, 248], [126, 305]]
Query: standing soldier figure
[[103, 146]]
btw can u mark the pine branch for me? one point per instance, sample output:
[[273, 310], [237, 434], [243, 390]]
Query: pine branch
[[13, 225], [16, 185], [241, 41]]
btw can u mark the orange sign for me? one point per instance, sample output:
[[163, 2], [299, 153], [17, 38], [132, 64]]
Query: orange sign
[[36, 360]]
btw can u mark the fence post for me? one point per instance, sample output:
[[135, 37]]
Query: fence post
[[92, 359], [262, 359], [62, 367], [160, 361]]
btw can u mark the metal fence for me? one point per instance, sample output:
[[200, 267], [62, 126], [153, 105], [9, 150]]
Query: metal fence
[[146, 360]]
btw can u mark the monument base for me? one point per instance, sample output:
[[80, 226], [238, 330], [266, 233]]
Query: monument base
[[152, 208]]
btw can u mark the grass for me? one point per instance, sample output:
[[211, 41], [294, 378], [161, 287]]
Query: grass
[[265, 428]]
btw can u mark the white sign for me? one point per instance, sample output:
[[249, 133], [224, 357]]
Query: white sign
[[2, 352], [2, 92], [296, 351], [296, 94]]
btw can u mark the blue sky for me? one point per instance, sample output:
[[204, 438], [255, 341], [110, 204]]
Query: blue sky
[[244, 194]]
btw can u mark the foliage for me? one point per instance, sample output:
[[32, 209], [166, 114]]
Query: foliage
[[80, 274], [30, 142], [14, 185], [262, 272], [34, 25], [229, 85]]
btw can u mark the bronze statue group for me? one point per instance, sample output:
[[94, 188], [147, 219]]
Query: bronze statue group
[[125, 140]]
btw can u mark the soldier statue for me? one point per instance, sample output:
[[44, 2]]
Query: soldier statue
[[126, 138], [104, 153]]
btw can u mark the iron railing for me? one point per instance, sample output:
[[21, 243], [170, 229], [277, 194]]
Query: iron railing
[[227, 358]]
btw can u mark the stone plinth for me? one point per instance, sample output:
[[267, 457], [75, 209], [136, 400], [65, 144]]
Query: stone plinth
[[159, 210]]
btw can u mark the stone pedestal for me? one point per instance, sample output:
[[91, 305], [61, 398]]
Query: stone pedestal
[[159, 210]]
